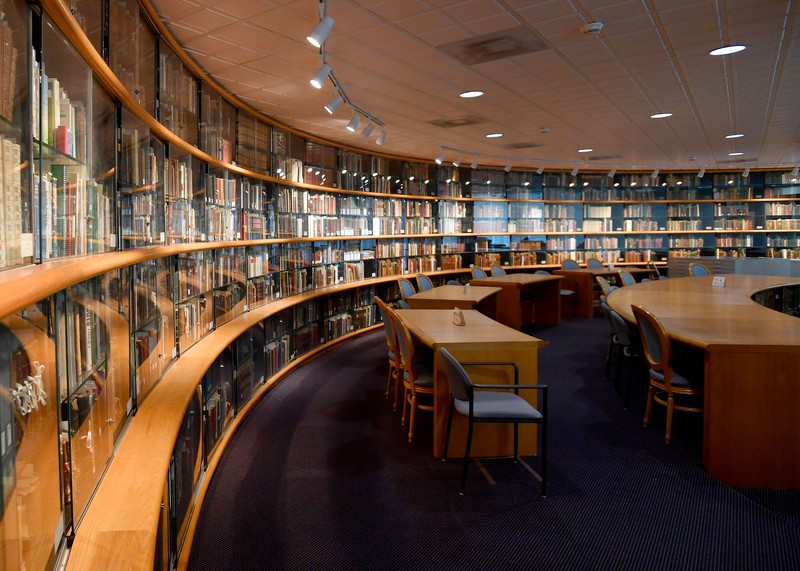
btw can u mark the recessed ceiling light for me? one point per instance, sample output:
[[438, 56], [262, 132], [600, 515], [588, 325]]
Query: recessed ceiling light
[[585, 150], [726, 50], [494, 135], [735, 154], [734, 135], [470, 94], [660, 115]]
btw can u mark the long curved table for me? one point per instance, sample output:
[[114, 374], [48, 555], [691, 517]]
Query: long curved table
[[751, 417]]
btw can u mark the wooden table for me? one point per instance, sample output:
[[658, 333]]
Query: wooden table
[[584, 280], [480, 339], [545, 295], [752, 372], [484, 299]]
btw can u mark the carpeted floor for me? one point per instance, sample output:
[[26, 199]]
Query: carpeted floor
[[321, 476]]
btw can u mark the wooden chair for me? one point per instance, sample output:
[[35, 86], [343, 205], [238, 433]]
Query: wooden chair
[[387, 316], [697, 269], [478, 273], [498, 270], [605, 286], [407, 288], [424, 282], [594, 263], [417, 378], [492, 403], [626, 277], [628, 350], [665, 384], [567, 295], [570, 265], [454, 282]]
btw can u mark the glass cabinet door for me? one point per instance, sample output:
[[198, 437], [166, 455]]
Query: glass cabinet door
[[16, 235], [141, 184], [132, 51], [74, 127]]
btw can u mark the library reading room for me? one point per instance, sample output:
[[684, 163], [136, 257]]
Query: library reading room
[[399, 284]]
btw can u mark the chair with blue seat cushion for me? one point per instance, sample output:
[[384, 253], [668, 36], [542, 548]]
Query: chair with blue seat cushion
[[407, 288], [417, 378], [570, 265], [492, 403], [612, 354], [626, 277], [424, 282], [402, 304], [454, 282], [697, 269], [628, 350], [666, 386], [594, 263], [498, 270], [478, 273], [567, 294], [387, 314]]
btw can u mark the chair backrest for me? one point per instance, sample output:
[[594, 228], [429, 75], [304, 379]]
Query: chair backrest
[[457, 377], [424, 282], [607, 314], [498, 270], [388, 326], [696, 269], [478, 273], [570, 265], [654, 268], [402, 304], [407, 289], [453, 282], [605, 285], [620, 328], [542, 272], [405, 347], [594, 263], [627, 278], [655, 342]]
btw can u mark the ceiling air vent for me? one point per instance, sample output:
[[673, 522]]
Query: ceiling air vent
[[523, 145], [457, 122], [604, 157], [497, 45]]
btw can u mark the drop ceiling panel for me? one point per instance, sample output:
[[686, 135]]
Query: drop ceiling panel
[[650, 56]]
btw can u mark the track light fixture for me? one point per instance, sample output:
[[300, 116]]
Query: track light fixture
[[334, 104], [508, 167], [475, 164], [746, 172], [368, 130], [574, 172], [701, 173], [381, 138], [320, 32], [458, 161], [321, 76], [540, 170], [611, 173], [353, 124], [654, 174], [440, 158], [795, 170]]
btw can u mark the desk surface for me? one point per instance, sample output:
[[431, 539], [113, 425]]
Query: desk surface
[[435, 328], [443, 293], [695, 312], [518, 279]]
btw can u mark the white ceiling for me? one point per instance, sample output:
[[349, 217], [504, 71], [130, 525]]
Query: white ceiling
[[586, 91]]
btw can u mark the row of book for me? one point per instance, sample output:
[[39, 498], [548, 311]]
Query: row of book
[[8, 71], [644, 242], [10, 203]]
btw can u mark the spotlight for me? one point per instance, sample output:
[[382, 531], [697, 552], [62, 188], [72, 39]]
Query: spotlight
[[368, 130], [320, 32], [746, 172], [334, 105], [458, 161], [321, 76], [574, 172], [508, 167], [353, 124], [440, 158], [794, 171], [654, 174], [381, 138], [475, 164], [611, 173], [540, 170], [701, 173]]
